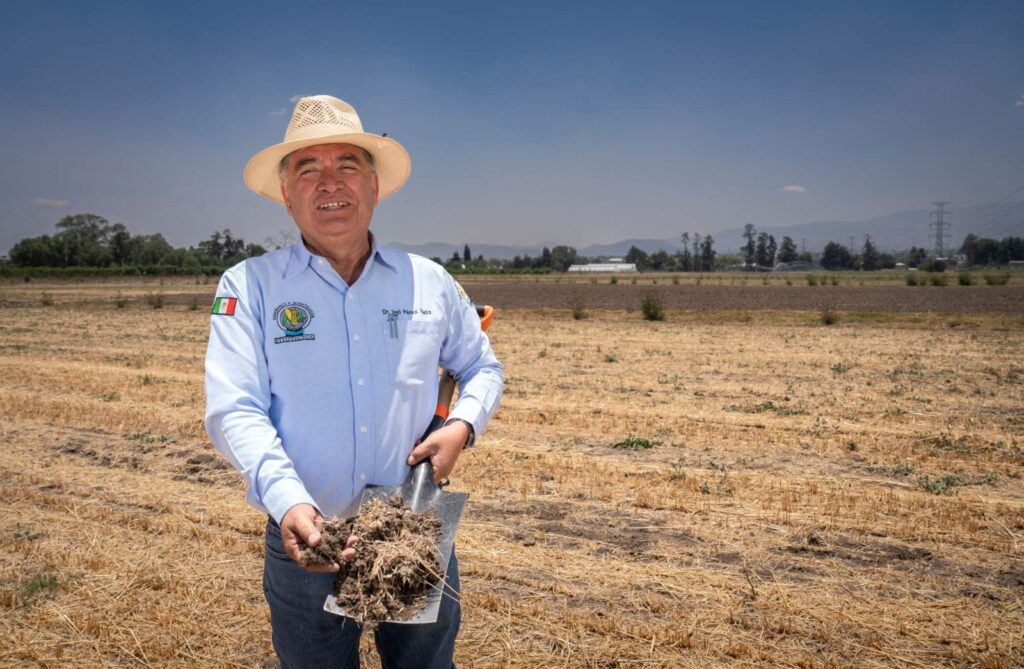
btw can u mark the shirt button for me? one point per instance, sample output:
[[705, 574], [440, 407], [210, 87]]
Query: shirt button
[[362, 428], [355, 337], [359, 382], [320, 262], [362, 477], [350, 296]]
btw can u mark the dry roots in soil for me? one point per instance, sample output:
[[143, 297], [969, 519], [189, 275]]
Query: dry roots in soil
[[396, 562]]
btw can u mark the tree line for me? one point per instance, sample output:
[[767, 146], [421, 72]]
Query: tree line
[[91, 241], [760, 252], [697, 255], [982, 251], [557, 259]]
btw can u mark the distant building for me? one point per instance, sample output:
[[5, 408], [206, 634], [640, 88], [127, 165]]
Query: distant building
[[604, 267]]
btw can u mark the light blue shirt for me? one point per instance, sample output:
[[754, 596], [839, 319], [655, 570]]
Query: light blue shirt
[[316, 389]]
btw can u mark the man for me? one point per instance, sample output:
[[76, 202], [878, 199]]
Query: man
[[321, 374]]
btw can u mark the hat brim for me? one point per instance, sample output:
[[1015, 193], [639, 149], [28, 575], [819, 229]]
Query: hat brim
[[391, 159]]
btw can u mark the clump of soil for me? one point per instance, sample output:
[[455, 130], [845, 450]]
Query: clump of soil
[[395, 565]]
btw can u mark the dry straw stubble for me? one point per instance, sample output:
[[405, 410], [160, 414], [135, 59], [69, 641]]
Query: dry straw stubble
[[751, 535]]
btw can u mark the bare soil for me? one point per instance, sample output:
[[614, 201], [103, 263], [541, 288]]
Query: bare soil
[[395, 566], [521, 294]]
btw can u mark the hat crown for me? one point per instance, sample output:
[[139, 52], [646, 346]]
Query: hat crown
[[322, 110]]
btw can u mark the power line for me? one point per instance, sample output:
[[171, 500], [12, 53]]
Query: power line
[[1013, 208], [992, 204]]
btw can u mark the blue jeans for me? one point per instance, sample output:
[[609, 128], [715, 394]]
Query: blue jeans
[[307, 636]]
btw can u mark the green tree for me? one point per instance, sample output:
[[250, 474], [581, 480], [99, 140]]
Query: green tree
[[869, 255], [659, 260], [750, 248], [233, 247], [764, 253], [42, 251], [981, 250], [787, 252], [174, 258], [119, 242], [638, 257], [685, 257], [253, 250], [466, 254], [836, 256], [83, 238], [213, 247], [562, 257], [1011, 248], [707, 254], [149, 249], [916, 256], [886, 261], [543, 260]]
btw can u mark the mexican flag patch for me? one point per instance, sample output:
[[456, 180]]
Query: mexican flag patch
[[224, 306]]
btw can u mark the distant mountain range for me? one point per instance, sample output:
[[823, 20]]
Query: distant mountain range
[[891, 232]]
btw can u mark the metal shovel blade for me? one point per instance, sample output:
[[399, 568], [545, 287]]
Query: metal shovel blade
[[419, 493]]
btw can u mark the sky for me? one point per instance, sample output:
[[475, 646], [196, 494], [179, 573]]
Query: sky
[[527, 122]]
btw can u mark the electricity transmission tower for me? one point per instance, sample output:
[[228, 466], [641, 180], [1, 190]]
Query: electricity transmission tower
[[939, 227]]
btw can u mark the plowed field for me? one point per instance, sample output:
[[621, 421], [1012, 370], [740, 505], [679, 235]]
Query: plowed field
[[524, 294]]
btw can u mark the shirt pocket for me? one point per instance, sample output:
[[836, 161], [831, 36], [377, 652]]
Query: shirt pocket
[[413, 349]]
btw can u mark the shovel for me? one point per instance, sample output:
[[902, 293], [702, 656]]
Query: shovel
[[419, 492]]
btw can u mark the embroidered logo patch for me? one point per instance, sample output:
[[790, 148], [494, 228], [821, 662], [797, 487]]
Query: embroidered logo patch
[[224, 306], [294, 318]]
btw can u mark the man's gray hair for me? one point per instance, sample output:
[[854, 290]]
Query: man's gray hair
[[282, 167]]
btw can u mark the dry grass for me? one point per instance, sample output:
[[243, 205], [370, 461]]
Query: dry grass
[[821, 496]]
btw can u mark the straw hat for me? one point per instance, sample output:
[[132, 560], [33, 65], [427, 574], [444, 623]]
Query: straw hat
[[322, 119]]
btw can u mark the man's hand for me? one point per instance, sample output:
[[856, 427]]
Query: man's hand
[[300, 527], [443, 448]]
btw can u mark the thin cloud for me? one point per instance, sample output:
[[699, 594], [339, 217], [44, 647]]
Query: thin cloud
[[295, 98], [1020, 102], [279, 112], [794, 188], [51, 202]]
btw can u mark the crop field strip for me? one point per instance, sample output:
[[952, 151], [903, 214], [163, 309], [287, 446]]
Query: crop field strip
[[845, 495], [526, 294]]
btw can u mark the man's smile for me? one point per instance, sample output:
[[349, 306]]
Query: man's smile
[[331, 206]]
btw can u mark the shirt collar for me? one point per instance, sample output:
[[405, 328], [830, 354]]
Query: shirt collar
[[301, 258], [382, 254]]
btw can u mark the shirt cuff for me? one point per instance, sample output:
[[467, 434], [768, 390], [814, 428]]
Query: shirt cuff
[[471, 411], [282, 495]]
